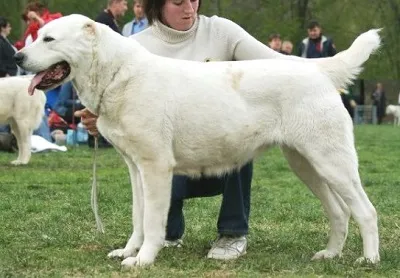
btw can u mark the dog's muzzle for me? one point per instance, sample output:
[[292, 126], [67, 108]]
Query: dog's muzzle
[[19, 58]]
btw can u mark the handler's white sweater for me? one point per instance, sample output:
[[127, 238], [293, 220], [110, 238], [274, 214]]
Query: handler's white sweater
[[210, 38]]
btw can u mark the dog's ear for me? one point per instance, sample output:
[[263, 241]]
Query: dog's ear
[[90, 28]]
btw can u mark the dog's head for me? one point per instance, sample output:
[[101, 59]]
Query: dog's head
[[61, 46]]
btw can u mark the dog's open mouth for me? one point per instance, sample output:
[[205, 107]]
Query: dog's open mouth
[[50, 78]]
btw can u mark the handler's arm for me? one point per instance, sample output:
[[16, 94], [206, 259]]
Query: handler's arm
[[243, 46]]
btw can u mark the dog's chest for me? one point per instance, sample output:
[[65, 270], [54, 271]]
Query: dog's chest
[[111, 130]]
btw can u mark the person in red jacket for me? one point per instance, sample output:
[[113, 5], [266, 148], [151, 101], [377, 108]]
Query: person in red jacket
[[36, 15]]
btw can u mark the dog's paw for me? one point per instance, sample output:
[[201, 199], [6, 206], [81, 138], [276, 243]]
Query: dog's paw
[[129, 262], [18, 162], [117, 253], [136, 261], [121, 253], [368, 260], [325, 254]]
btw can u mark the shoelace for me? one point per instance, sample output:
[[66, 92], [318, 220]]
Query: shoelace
[[226, 243]]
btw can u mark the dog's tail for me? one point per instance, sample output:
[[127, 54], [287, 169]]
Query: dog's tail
[[345, 66]]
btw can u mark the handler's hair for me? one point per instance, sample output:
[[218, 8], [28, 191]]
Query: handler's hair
[[312, 24], [3, 22], [153, 8], [110, 2]]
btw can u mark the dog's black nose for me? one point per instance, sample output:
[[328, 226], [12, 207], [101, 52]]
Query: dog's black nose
[[19, 58]]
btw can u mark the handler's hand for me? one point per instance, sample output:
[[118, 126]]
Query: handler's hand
[[89, 120], [32, 15]]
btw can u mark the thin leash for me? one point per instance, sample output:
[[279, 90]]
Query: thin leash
[[94, 195]]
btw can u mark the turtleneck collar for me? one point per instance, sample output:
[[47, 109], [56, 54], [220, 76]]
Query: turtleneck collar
[[170, 35]]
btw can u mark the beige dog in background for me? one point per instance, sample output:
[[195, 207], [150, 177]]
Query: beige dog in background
[[395, 111], [21, 111]]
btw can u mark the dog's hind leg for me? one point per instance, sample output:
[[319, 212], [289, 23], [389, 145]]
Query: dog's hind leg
[[335, 208], [157, 183], [334, 158], [136, 239], [23, 134]]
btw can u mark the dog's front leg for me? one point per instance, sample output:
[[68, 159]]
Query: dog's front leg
[[157, 182], [23, 135], [136, 239]]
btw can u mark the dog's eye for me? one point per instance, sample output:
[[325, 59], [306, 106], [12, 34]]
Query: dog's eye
[[48, 39]]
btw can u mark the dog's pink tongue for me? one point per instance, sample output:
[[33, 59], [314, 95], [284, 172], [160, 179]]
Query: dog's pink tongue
[[35, 81]]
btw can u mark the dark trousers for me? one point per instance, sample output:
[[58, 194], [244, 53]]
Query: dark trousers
[[235, 208]]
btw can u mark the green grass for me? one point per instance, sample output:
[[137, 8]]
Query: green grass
[[48, 229]]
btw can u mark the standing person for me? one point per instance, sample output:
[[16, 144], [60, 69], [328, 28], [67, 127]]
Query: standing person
[[316, 45], [398, 101], [275, 42], [35, 15], [287, 47], [177, 31], [8, 67], [139, 22], [348, 100], [115, 9], [379, 101], [109, 16]]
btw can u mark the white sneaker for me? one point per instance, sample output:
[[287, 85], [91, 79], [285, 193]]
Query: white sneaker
[[173, 243], [228, 248]]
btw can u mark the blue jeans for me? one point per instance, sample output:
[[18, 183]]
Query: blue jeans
[[43, 130], [235, 208], [5, 128]]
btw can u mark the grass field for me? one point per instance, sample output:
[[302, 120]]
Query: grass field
[[48, 229]]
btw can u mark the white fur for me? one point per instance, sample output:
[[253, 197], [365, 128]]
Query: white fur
[[22, 111], [395, 111], [167, 116]]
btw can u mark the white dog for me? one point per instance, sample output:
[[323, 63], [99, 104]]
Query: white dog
[[168, 116], [23, 112], [395, 111]]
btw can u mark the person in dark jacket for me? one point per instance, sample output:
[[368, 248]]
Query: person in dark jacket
[[115, 9], [8, 67], [67, 103], [379, 101], [316, 45], [348, 100]]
